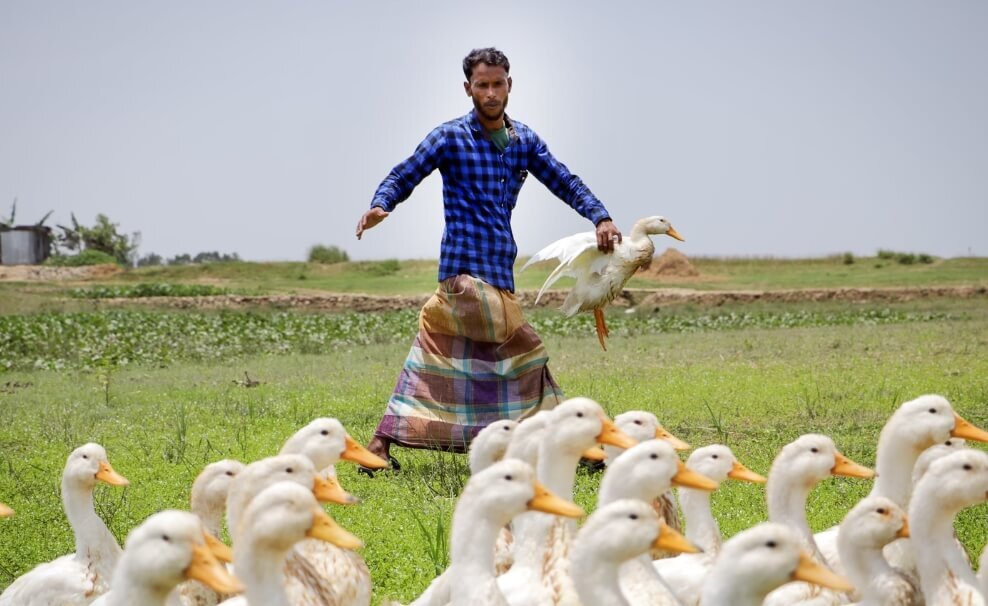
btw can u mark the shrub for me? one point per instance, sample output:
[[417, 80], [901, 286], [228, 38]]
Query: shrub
[[327, 254], [886, 254], [924, 258], [137, 291], [906, 258], [87, 257], [848, 258]]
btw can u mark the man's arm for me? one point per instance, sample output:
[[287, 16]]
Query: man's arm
[[570, 189], [403, 179]]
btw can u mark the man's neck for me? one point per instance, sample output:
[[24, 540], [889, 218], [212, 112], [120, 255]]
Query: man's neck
[[491, 125]]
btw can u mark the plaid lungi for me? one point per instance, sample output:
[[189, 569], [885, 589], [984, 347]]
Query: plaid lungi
[[474, 361]]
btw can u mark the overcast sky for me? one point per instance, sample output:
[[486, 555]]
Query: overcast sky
[[758, 128]]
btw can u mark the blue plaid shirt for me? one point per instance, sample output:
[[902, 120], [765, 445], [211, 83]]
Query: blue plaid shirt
[[480, 189]]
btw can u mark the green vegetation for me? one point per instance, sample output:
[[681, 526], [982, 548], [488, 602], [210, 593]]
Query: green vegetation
[[103, 236], [86, 257], [155, 289], [753, 386], [327, 254]]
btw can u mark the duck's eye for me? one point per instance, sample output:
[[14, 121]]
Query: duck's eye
[[653, 456], [716, 456], [325, 432], [579, 414], [948, 443], [638, 422], [85, 457], [932, 411], [229, 473], [770, 544], [508, 477], [814, 449], [289, 470], [506, 428], [967, 467], [633, 516], [166, 538], [881, 510]]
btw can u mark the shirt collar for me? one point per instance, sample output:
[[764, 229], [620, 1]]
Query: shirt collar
[[476, 126]]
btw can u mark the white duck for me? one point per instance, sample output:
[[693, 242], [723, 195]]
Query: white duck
[[871, 525], [685, 573], [799, 467], [757, 561], [915, 426], [168, 548], [490, 444], [642, 425], [953, 482], [614, 535], [325, 442], [539, 576], [983, 571], [276, 519], [209, 492], [80, 577], [643, 472], [600, 276], [488, 502]]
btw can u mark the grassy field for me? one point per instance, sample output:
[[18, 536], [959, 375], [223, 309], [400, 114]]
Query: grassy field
[[753, 378]]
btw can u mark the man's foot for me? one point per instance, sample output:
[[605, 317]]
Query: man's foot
[[382, 448]]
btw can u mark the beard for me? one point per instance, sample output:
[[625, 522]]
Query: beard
[[490, 113]]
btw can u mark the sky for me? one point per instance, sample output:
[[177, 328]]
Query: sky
[[759, 128]]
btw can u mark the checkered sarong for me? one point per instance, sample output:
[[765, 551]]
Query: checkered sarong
[[474, 361]]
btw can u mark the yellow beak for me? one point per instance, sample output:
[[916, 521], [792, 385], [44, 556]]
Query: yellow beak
[[670, 540], [334, 493], [355, 453], [220, 549], [675, 234], [904, 531], [595, 453], [326, 529], [848, 468], [663, 434], [206, 569], [811, 572], [687, 478], [547, 502], [106, 474], [740, 472], [967, 430], [611, 435]]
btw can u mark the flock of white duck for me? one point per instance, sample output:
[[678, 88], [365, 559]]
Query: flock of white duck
[[515, 540]]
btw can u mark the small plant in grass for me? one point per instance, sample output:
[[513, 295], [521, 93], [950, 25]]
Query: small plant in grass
[[137, 291], [89, 256], [435, 536], [327, 254]]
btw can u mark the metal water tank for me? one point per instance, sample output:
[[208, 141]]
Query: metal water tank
[[24, 245]]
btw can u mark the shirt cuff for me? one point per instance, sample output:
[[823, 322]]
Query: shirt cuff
[[598, 215], [383, 204]]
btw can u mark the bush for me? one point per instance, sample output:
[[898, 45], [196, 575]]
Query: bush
[[886, 254], [906, 258], [137, 291], [848, 258], [87, 257], [150, 260], [924, 258], [327, 254]]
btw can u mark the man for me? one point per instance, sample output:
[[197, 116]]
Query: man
[[475, 360]]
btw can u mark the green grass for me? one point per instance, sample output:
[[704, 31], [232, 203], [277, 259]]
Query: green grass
[[753, 386], [419, 276]]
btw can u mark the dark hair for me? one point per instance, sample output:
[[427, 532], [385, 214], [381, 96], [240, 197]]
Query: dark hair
[[491, 56]]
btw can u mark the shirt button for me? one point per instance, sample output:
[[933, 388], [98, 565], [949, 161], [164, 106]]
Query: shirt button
[[502, 180]]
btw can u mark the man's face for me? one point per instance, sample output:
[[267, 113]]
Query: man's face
[[489, 87]]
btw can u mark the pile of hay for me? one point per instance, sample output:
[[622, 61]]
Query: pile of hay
[[670, 264]]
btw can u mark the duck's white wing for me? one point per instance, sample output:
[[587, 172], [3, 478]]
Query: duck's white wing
[[577, 256], [61, 581]]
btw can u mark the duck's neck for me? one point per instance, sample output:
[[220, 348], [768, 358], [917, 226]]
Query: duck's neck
[[596, 578], [93, 540], [472, 542], [127, 593], [722, 587], [863, 565], [211, 518], [787, 505], [894, 463], [701, 527], [931, 524], [557, 468], [262, 571]]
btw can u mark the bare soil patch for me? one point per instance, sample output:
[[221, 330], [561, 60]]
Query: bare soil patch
[[45, 273], [670, 264]]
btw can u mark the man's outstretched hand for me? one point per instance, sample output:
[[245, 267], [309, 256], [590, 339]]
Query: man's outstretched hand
[[607, 234], [375, 216]]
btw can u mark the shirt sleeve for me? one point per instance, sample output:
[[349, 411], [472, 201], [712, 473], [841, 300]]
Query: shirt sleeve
[[565, 185], [402, 179]]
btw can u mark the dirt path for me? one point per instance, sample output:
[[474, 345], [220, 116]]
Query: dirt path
[[628, 298]]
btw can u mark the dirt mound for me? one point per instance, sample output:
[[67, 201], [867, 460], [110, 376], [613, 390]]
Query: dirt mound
[[670, 264], [44, 273]]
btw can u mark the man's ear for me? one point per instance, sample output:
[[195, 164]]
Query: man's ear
[[466, 87], [509, 84]]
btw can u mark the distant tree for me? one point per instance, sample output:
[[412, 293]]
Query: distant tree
[[327, 254], [183, 259], [103, 236], [150, 260]]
